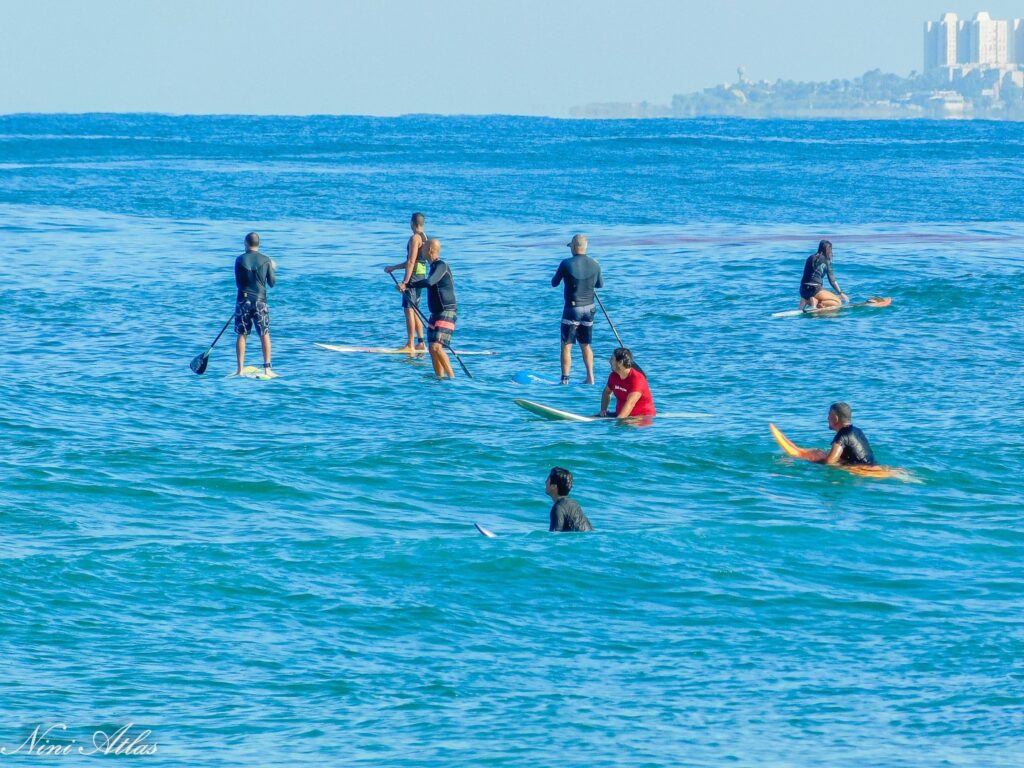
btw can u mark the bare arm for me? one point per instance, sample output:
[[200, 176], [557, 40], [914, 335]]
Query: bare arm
[[627, 407], [415, 243], [606, 398], [833, 456]]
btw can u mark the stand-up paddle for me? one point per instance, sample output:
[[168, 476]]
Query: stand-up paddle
[[199, 362], [426, 322], [606, 317]]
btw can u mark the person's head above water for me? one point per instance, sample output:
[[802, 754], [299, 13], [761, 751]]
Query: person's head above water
[[578, 245], [825, 248], [559, 482], [252, 241], [416, 222], [622, 361], [839, 415], [433, 249]]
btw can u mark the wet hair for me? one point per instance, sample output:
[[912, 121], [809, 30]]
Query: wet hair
[[825, 247], [842, 411], [418, 219], [561, 479], [252, 240], [623, 356]]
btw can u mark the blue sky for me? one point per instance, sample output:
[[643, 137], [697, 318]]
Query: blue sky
[[387, 57]]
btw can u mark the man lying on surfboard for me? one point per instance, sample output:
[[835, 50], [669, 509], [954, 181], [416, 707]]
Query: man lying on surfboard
[[816, 268], [629, 385], [850, 446], [440, 287]]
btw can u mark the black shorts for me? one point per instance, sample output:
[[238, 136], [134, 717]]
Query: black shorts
[[578, 324], [411, 298], [440, 328], [249, 312], [808, 291]]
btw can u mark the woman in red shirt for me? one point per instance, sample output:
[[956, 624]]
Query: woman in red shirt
[[629, 385]]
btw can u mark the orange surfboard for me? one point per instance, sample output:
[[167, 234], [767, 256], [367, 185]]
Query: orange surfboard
[[816, 455]]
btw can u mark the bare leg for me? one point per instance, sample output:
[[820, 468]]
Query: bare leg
[[440, 358], [588, 361], [240, 353], [827, 299], [265, 342], [410, 328], [435, 360], [419, 330], [566, 360]]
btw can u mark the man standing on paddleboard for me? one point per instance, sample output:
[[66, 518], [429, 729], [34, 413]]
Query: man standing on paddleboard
[[415, 265], [254, 273], [581, 275], [812, 292], [440, 287]]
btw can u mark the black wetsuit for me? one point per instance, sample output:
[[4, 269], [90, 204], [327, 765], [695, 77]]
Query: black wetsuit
[[581, 275], [856, 448], [254, 273], [440, 288], [567, 515], [816, 268]]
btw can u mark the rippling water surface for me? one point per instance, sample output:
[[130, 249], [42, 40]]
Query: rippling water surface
[[286, 572]]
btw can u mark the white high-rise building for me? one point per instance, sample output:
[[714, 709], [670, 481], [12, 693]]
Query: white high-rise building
[[940, 42], [988, 37]]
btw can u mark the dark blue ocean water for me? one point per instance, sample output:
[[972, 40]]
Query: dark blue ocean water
[[286, 572]]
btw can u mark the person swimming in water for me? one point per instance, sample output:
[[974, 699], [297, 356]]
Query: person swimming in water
[[566, 513], [812, 292], [629, 385], [850, 446]]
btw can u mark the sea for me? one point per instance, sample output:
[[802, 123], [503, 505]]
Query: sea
[[200, 570]]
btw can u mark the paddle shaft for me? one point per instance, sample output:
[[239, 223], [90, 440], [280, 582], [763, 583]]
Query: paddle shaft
[[426, 322], [221, 333], [606, 317]]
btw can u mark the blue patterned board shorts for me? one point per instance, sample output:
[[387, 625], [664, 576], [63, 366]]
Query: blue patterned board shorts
[[578, 324], [249, 312]]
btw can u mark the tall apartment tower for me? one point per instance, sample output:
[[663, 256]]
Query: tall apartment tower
[[940, 42], [989, 41], [1017, 42]]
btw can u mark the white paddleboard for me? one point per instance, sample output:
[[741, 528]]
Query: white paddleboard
[[877, 302], [553, 414], [346, 349], [484, 531]]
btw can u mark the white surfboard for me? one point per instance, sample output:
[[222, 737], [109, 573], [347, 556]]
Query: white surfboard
[[875, 301], [346, 349], [553, 414], [484, 531]]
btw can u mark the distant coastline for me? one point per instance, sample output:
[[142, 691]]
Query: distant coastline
[[875, 95]]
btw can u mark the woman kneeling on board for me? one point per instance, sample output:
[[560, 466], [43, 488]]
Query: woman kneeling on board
[[817, 267], [629, 385]]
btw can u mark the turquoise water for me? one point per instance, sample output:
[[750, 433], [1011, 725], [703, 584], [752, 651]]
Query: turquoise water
[[286, 572]]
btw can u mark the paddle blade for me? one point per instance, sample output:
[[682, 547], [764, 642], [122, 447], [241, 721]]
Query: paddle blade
[[199, 363]]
